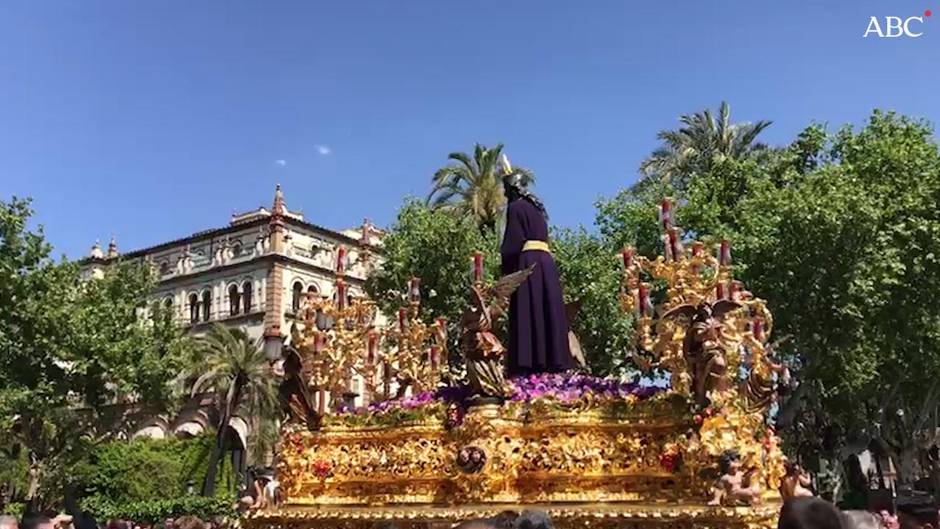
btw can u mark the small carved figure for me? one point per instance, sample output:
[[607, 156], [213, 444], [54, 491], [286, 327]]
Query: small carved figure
[[795, 483], [702, 346], [733, 486], [481, 348], [296, 399]]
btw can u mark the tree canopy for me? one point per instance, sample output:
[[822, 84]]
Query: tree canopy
[[72, 351]]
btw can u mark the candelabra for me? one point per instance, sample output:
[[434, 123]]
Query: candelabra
[[704, 322]]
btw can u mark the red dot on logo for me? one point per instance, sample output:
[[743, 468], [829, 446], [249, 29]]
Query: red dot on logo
[[928, 13]]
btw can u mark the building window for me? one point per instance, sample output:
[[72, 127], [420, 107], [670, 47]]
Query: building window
[[297, 296], [193, 308], [164, 268], [313, 289], [206, 305], [234, 300], [246, 294]]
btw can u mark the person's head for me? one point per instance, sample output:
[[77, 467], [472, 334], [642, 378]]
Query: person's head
[[8, 522], [533, 520], [168, 523], [37, 522], [189, 522], [810, 513], [729, 462]]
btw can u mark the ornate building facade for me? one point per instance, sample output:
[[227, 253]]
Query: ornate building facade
[[253, 274]]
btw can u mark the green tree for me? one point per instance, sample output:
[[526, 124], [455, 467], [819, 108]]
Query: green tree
[[235, 369], [472, 186], [591, 276], [438, 248], [702, 140], [74, 355], [839, 234]]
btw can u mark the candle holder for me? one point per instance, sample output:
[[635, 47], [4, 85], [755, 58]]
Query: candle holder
[[702, 324]]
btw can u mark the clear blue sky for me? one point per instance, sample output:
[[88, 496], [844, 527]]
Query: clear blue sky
[[152, 120]]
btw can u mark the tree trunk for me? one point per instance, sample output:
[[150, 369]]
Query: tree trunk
[[215, 458]]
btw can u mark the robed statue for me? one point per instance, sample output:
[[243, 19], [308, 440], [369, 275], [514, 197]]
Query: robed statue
[[538, 325]]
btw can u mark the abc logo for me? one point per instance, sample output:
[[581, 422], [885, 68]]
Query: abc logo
[[895, 27]]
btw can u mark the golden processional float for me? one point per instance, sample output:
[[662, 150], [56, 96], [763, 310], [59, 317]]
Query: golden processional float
[[424, 450]]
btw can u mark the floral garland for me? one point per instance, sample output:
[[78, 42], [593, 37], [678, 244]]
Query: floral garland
[[559, 392]]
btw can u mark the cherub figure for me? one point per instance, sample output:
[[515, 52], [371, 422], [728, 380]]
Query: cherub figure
[[795, 483], [481, 348], [731, 487], [702, 346]]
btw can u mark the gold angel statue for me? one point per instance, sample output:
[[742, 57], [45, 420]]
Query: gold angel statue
[[703, 346], [482, 350]]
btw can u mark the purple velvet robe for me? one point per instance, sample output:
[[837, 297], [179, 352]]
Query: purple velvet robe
[[538, 325]]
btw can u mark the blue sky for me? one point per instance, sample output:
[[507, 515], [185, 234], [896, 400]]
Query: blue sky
[[153, 120]]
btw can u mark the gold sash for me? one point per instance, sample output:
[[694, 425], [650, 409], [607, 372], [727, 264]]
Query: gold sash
[[536, 246]]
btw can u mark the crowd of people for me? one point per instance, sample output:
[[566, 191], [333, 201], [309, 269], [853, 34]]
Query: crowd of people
[[62, 521]]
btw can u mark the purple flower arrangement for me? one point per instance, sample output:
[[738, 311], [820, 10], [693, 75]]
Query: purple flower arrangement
[[563, 389], [567, 388]]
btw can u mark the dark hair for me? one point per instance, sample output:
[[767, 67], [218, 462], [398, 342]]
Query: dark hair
[[34, 521], [727, 457], [533, 520], [810, 513], [792, 468]]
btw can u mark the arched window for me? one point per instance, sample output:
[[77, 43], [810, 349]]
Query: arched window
[[193, 308], [297, 297], [246, 295], [206, 305], [234, 300], [313, 289], [168, 303]]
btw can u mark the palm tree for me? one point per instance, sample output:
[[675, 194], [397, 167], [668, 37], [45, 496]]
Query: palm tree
[[473, 186], [701, 141], [235, 369]]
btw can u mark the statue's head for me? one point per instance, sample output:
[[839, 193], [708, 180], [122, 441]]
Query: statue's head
[[728, 461], [514, 186]]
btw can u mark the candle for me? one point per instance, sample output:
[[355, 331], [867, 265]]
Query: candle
[[402, 319], [675, 245], [340, 260], [724, 253], [644, 301], [340, 294], [414, 290], [757, 329], [720, 290], [665, 214], [477, 267], [442, 329], [319, 342], [433, 355], [372, 346], [627, 258], [697, 249]]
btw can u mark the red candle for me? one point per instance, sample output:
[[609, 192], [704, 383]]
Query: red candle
[[665, 214], [757, 329], [372, 346], [340, 260], [442, 328], [414, 290], [402, 319], [477, 267], [697, 249], [627, 258], [720, 291], [724, 253], [433, 355], [644, 301], [340, 294], [674, 244], [319, 342]]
